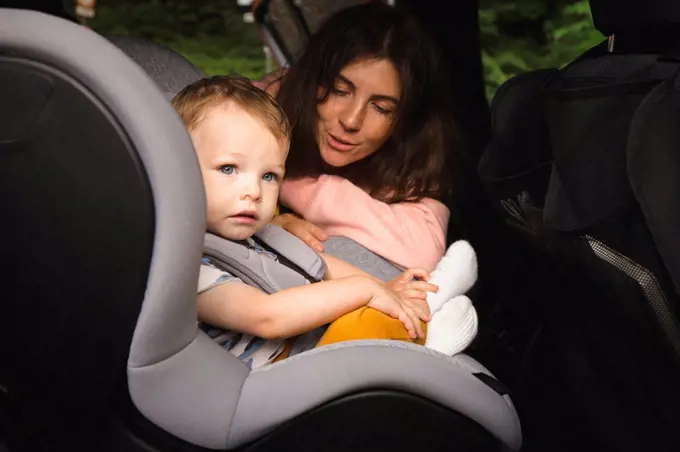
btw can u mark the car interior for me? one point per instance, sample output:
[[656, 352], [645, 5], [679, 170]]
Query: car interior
[[579, 340]]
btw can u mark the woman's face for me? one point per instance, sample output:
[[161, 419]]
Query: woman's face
[[357, 117]]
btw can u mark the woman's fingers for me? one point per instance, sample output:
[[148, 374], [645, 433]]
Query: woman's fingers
[[308, 232], [310, 239], [313, 235], [316, 231]]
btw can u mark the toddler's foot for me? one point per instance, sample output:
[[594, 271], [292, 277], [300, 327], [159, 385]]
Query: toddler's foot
[[455, 274], [453, 327]]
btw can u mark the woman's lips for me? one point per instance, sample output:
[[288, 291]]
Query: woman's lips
[[339, 144]]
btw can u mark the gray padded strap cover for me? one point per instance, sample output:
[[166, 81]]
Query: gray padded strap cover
[[260, 271]]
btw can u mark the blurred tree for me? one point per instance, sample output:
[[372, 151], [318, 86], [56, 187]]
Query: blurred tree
[[211, 34], [515, 35], [522, 35]]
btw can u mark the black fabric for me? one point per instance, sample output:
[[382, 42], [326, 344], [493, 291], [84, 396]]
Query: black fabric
[[654, 165], [589, 107], [379, 420], [75, 202], [492, 383], [613, 16], [621, 368], [609, 227], [625, 310], [517, 163], [59, 8]]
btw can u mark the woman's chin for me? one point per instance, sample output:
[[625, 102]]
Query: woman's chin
[[335, 158]]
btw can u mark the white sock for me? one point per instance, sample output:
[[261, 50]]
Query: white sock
[[455, 274], [453, 327]]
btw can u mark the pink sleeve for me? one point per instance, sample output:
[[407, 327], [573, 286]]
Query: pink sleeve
[[410, 234]]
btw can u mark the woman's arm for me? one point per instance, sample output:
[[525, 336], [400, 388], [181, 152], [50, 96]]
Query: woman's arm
[[410, 234]]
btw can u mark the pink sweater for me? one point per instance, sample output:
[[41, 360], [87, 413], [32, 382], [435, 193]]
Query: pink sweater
[[409, 234]]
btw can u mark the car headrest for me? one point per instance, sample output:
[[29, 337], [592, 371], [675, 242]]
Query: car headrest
[[170, 70], [615, 16]]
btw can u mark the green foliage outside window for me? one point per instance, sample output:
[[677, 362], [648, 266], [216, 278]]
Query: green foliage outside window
[[211, 34], [521, 35], [516, 35]]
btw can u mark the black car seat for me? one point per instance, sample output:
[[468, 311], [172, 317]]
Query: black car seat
[[584, 164], [103, 231]]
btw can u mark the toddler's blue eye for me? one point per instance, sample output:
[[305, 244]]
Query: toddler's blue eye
[[228, 169], [269, 177]]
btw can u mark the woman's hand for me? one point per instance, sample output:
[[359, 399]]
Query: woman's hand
[[309, 233]]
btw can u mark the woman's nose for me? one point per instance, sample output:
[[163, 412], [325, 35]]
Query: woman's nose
[[351, 116]]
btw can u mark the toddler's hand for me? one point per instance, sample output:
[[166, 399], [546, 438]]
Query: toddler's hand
[[413, 292], [390, 303]]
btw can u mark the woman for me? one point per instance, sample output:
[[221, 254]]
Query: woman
[[368, 167], [372, 138]]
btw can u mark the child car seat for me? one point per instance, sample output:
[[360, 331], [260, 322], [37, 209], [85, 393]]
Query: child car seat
[[594, 185], [102, 236], [170, 70]]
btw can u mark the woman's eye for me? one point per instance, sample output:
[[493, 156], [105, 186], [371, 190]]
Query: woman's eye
[[383, 111], [228, 169], [339, 92], [270, 177]]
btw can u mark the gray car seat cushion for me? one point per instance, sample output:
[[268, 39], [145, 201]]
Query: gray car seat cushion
[[169, 69], [275, 393], [192, 394]]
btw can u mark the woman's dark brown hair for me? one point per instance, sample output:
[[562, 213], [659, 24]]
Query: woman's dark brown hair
[[415, 160]]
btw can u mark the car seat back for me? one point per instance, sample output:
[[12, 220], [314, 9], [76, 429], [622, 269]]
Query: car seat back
[[576, 190], [170, 70], [58, 134], [76, 141]]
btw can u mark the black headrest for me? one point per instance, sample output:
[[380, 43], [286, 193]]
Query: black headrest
[[58, 8], [615, 16], [170, 70]]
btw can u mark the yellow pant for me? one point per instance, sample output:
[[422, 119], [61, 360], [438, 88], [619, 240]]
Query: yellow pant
[[364, 323]]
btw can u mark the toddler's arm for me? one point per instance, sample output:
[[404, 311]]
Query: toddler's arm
[[237, 306]]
